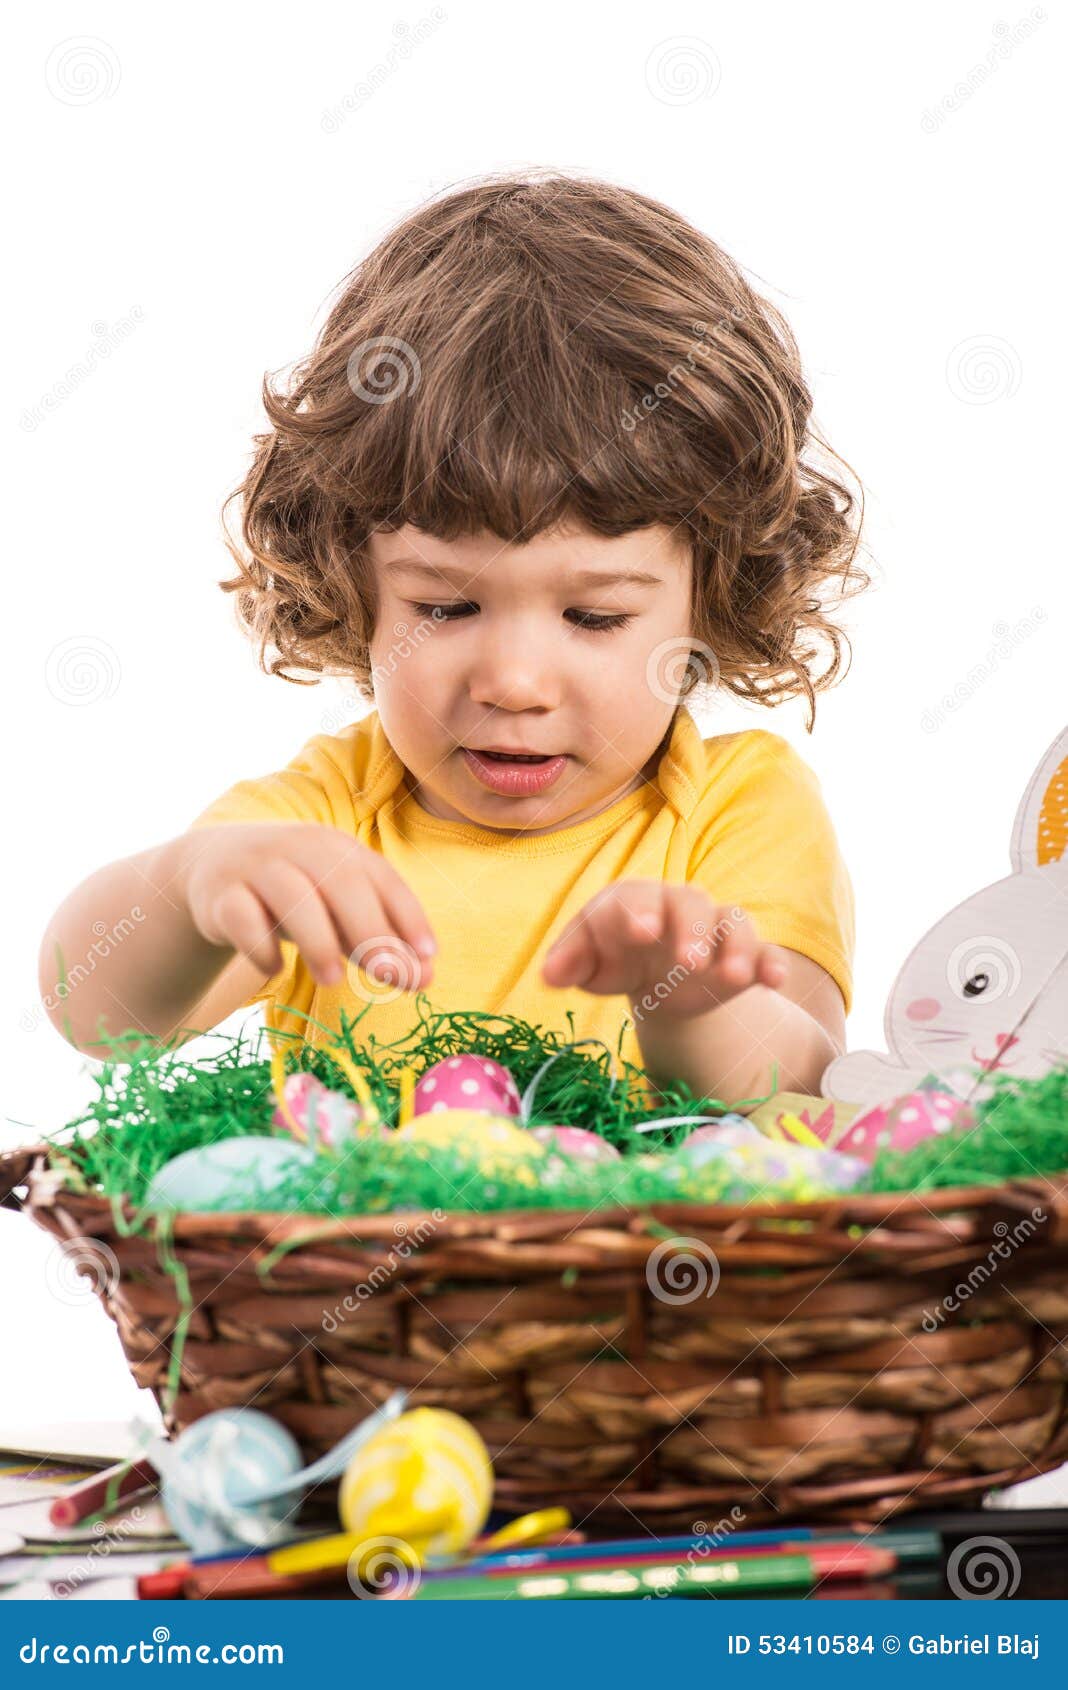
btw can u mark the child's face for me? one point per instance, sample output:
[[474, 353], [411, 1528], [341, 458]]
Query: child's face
[[506, 663]]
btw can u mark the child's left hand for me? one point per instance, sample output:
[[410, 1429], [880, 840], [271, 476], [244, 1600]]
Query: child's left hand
[[640, 935]]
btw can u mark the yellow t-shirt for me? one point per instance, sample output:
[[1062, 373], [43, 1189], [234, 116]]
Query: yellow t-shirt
[[739, 814]]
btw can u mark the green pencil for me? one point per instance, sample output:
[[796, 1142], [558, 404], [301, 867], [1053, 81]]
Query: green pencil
[[670, 1578]]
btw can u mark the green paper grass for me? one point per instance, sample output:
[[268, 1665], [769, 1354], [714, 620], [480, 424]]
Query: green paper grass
[[1021, 1132], [155, 1103]]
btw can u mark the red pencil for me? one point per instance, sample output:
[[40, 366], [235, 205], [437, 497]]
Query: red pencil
[[253, 1578], [114, 1483]]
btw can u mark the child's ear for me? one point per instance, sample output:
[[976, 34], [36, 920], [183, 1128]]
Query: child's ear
[[1040, 832]]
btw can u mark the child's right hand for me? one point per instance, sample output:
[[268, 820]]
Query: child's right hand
[[337, 900]]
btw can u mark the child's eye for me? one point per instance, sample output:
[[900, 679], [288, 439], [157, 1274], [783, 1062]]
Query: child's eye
[[587, 619], [444, 612]]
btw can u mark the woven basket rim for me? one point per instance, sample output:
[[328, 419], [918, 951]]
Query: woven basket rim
[[49, 1188]]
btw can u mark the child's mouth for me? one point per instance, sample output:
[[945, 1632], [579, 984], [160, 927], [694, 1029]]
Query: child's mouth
[[517, 774]]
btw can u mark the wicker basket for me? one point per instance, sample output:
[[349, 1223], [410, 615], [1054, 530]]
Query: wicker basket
[[895, 1352]]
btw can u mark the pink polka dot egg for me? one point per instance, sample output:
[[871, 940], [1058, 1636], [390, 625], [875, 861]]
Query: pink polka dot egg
[[474, 1083], [904, 1123]]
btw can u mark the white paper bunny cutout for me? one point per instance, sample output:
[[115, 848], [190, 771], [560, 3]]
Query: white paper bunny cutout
[[986, 989]]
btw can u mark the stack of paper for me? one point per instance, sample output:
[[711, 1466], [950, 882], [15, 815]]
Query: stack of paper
[[41, 1561]]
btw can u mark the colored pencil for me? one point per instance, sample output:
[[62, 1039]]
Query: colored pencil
[[757, 1572], [503, 1566], [906, 1544], [169, 1581], [252, 1579], [114, 1483]]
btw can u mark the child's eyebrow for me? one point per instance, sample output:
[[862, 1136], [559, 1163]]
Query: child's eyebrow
[[580, 577]]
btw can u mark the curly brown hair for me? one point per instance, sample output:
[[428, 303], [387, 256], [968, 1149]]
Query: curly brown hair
[[537, 350]]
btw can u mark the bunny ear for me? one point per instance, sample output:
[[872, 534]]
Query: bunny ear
[[1040, 832]]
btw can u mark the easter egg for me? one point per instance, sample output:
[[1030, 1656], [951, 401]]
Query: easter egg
[[495, 1142], [776, 1167], [467, 1082], [904, 1123], [328, 1118], [216, 1462], [235, 1173], [732, 1130], [426, 1480], [576, 1141]]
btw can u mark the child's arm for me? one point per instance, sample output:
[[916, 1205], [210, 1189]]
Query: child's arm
[[764, 1039], [175, 938]]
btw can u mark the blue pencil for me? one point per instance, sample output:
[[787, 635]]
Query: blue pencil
[[909, 1544]]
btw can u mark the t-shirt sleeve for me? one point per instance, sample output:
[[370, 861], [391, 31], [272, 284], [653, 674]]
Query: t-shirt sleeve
[[292, 794], [298, 793], [765, 841]]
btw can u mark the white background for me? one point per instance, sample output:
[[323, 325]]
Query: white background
[[186, 195]]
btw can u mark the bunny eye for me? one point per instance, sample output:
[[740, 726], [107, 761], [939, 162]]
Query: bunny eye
[[974, 987]]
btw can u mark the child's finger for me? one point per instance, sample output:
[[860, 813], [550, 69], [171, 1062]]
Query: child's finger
[[381, 952], [573, 958], [245, 923], [370, 932], [739, 953], [297, 906], [403, 908], [626, 928], [771, 970], [692, 928]]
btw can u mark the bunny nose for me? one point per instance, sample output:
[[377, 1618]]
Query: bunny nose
[[923, 1009]]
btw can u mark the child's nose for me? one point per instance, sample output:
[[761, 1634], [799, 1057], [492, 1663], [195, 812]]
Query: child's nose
[[514, 674]]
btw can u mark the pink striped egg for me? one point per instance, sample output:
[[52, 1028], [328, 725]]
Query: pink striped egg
[[326, 1117]]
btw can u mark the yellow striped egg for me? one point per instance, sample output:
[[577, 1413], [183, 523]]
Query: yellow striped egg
[[426, 1480]]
